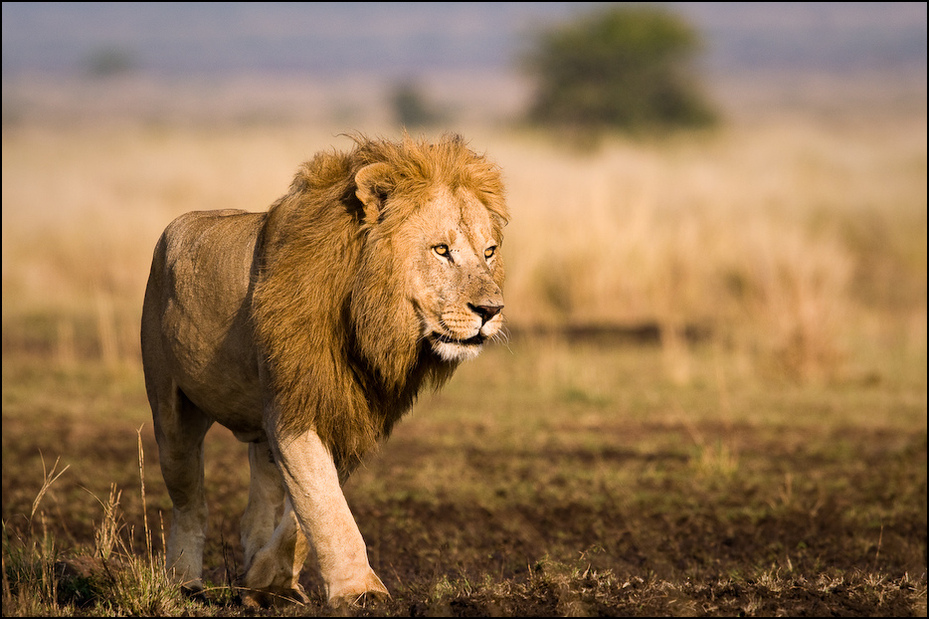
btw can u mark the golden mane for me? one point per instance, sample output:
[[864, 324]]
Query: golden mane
[[343, 349]]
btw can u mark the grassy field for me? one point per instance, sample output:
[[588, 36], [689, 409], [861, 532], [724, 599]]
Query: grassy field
[[712, 400]]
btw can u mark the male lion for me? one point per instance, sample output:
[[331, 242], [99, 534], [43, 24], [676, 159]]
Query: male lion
[[308, 330]]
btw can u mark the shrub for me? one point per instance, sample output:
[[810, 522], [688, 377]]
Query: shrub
[[623, 67]]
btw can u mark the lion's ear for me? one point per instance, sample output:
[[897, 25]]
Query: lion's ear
[[374, 182]]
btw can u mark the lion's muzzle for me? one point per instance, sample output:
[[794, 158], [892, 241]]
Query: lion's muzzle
[[462, 332]]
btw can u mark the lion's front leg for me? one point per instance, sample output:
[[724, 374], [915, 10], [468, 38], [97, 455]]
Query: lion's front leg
[[313, 485]]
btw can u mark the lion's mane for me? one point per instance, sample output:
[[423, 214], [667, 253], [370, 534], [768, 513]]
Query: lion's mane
[[342, 346]]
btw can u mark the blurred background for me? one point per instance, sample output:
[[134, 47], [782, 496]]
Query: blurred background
[[751, 175], [344, 63], [712, 396]]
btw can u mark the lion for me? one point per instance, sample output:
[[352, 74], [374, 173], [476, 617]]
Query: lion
[[308, 331]]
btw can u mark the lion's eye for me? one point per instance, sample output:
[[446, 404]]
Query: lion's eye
[[441, 250], [490, 251]]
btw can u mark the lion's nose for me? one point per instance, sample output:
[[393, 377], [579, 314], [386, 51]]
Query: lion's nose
[[486, 312]]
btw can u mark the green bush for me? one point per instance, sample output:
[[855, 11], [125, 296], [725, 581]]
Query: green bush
[[623, 67]]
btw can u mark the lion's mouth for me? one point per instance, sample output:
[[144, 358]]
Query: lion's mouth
[[477, 340]]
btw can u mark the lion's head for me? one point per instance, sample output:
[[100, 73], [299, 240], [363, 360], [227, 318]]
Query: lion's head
[[393, 250], [436, 235]]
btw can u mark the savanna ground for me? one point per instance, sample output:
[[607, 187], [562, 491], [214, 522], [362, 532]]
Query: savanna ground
[[712, 400]]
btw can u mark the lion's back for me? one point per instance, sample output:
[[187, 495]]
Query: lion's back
[[196, 324]]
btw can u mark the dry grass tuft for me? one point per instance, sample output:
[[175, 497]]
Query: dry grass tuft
[[110, 578]]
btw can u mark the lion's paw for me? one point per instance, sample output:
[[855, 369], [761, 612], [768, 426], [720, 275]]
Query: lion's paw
[[359, 593], [265, 598]]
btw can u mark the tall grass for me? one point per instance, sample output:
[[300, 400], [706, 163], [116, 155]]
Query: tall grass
[[786, 239], [109, 578], [30, 581], [750, 232]]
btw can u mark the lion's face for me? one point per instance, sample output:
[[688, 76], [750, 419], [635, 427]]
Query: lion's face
[[455, 274]]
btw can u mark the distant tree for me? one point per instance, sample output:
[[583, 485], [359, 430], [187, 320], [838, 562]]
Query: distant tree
[[109, 61], [626, 67], [411, 109]]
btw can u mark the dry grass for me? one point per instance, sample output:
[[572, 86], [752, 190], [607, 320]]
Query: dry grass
[[752, 233], [41, 578], [783, 238]]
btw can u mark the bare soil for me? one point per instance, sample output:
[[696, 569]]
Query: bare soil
[[616, 518]]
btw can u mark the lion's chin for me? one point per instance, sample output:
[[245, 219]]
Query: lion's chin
[[451, 349]]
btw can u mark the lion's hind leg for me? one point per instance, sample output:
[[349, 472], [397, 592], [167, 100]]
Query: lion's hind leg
[[265, 501], [275, 548], [180, 427], [274, 572]]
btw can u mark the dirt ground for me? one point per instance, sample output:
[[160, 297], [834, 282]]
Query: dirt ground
[[589, 513]]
